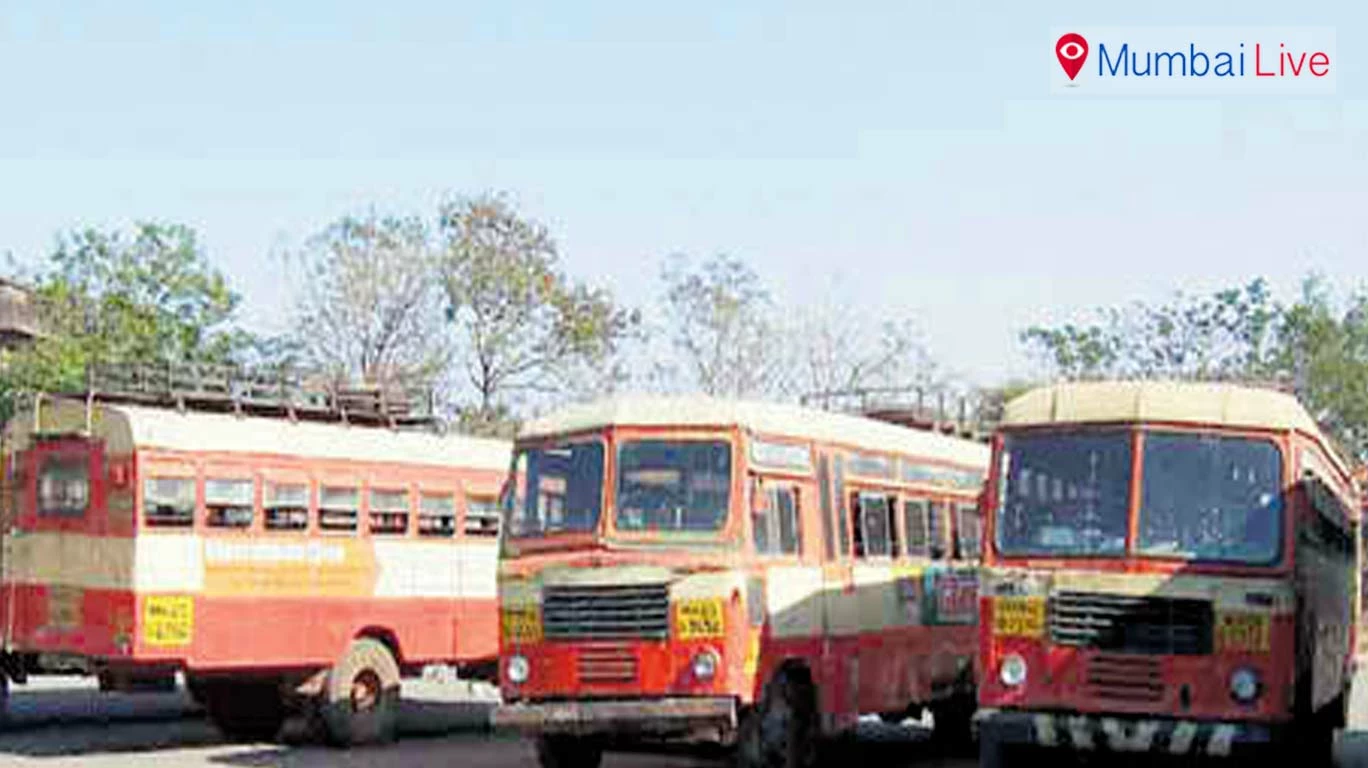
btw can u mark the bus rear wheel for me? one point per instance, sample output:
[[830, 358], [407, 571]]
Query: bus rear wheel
[[781, 731], [245, 710], [568, 752], [361, 701]]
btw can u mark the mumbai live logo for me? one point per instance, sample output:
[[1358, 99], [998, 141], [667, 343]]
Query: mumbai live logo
[[1072, 51], [1255, 60]]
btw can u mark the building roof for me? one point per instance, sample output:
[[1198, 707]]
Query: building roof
[[130, 426], [1200, 404], [765, 418]]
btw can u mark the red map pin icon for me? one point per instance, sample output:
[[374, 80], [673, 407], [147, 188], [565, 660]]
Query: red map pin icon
[[1072, 50]]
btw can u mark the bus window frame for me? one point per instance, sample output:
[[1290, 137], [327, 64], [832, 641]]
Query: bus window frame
[[390, 486], [452, 494], [737, 497], [229, 473], [1285, 441], [479, 491], [761, 487], [95, 518], [338, 481], [856, 510], [160, 467]]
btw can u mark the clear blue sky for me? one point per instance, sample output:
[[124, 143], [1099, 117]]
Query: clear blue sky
[[909, 154]]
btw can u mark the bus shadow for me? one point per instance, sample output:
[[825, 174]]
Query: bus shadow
[[78, 722]]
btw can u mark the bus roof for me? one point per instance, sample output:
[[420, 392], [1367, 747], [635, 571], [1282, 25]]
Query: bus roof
[[766, 418], [1196, 403], [137, 426]]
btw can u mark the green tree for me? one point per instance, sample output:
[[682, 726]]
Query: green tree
[[149, 295], [1316, 345], [1230, 333], [523, 328]]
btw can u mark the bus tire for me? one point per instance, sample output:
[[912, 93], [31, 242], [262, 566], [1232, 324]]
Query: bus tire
[[781, 731], [568, 752], [954, 726], [993, 753], [245, 710], [361, 700]]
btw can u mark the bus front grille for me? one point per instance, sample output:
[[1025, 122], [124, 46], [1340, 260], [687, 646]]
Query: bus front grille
[[1131, 679], [606, 612], [1131, 623], [606, 663]]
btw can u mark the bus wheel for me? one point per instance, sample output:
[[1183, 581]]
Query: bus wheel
[[568, 752], [954, 723], [781, 731], [992, 752], [245, 710], [361, 701], [195, 688]]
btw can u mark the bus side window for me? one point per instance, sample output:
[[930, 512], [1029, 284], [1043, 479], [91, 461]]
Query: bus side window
[[872, 522], [824, 496], [437, 515], [774, 523], [169, 501], [967, 532], [389, 511], [337, 508], [286, 506], [938, 527], [229, 503], [914, 522], [482, 516]]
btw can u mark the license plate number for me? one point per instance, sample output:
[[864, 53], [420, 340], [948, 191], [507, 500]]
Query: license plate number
[[1242, 632], [698, 618], [1019, 616]]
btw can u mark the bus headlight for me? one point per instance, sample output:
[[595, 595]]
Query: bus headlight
[[705, 665], [518, 669], [1245, 685], [1012, 672]]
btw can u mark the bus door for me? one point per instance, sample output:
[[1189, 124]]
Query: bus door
[[951, 589]]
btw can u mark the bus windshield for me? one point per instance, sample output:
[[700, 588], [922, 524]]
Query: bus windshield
[[673, 485], [1210, 498], [1065, 494], [562, 491]]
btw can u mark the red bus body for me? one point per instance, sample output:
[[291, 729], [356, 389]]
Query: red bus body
[[1152, 652], [876, 628], [142, 539]]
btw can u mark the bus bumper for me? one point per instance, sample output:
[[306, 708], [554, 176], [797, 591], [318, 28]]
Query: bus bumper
[[620, 716], [1128, 733]]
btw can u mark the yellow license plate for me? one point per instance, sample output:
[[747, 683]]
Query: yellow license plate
[[698, 619], [168, 621], [1242, 632], [1019, 616], [521, 624]]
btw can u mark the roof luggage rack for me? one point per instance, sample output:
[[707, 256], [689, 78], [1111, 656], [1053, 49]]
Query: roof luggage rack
[[283, 392], [913, 407]]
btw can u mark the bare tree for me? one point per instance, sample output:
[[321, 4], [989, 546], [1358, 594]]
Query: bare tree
[[722, 324], [371, 304], [524, 330], [839, 350]]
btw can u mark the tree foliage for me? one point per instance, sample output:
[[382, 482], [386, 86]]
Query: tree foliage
[[1316, 345], [523, 328], [371, 303], [149, 295]]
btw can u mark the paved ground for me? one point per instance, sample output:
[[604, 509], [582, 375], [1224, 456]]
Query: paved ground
[[65, 722]]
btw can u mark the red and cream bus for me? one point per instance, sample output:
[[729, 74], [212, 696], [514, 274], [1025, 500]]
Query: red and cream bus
[[751, 573], [266, 559], [1171, 568]]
